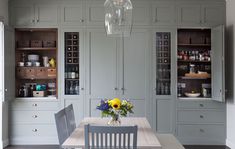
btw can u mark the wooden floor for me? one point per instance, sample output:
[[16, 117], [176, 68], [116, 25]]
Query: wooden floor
[[56, 147]]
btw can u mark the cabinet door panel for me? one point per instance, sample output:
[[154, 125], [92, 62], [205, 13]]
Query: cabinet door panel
[[164, 116], [72, 15], [213, 15], [103, 63], [189, 15], [141, 14], [135, 67], [95, 13], [217, 53], [23, 15], [46, 14], [164, 14]]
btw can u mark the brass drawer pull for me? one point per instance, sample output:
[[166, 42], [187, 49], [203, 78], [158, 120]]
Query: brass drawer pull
[[201, 116]]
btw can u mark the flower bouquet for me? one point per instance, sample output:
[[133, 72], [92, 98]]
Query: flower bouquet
[[115, 108]]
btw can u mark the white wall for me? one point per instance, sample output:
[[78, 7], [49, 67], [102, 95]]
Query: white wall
[[230, 82], [4, 11]]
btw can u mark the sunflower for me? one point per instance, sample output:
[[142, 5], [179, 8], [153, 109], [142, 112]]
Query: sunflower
[[116, 103]]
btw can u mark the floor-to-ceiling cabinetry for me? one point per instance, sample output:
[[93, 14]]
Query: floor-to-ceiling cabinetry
[[142, 67]]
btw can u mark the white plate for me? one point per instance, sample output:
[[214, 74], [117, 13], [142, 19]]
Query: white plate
[[192, 94]]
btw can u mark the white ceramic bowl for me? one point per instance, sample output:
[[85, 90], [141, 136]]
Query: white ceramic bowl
[[33, 57], [192, 94]]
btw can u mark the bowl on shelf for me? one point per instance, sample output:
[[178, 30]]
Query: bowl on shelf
[[192, 94], [33, 58]]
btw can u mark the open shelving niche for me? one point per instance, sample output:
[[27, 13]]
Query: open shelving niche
[[44, 76], [199, 41]]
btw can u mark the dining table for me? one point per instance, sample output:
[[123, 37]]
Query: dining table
[[146, 137]]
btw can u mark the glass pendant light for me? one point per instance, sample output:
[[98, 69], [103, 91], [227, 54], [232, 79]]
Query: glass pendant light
[[118, 17]]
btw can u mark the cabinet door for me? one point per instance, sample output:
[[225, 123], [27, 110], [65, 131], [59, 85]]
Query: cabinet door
[[95, 13], [189, 14], [72, 14], [217, 40], [213, 15], [135, 59], [141, 13], [46, 14], [164, 14], [22, 15], [9, 69], [102, 64]]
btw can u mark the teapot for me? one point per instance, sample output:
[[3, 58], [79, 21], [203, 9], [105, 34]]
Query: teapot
[[52, 62]]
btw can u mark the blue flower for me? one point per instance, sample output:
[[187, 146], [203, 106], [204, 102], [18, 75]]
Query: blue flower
[[103, 106]]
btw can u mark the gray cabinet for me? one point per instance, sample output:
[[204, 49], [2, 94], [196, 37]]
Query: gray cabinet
[[22, 15], [95, 13], [164, 13], [189, 14], [201, 122], [72, 13], [31, 120], [198, 14], [31, 15], [141, 13]]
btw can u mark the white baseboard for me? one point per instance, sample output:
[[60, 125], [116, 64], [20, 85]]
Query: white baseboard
[[5, 143], [230, 144]]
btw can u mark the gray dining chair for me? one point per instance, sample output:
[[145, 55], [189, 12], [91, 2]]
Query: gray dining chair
[[70, 119], [107, 137], [61, 125]]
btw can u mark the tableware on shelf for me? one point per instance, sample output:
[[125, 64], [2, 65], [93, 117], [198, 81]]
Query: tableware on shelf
[[37, 64], [33, 58], [192, 94], [45, 61], [21, 64], [29, 64], [52, 62]]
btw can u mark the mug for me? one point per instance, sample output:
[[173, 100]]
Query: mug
[[28, 64], [37, 64], [21, 64]]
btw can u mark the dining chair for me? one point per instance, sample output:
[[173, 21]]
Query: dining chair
[[61, 125], [70, 119], [107, 137]]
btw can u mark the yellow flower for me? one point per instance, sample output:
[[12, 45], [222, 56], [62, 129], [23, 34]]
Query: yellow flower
[[116, 103]]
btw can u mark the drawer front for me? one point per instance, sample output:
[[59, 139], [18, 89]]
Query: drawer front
[[200, 105], [190, 116], [33, 117], [37, 105], [215, 132], [20, 72], [33, 130], [30, 73], [41, 73]]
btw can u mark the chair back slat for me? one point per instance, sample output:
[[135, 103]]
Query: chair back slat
[[61, 125], [70, 118], [122, 137]]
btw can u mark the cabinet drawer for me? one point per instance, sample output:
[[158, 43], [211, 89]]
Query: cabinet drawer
[[33, 117], [201, 116], [200, 105], [20, 72], [41, 73], [30, 73], [33, 130], [214, 132], [35, 105]]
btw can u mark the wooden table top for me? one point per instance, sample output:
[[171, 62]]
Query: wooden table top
[[146, 137]]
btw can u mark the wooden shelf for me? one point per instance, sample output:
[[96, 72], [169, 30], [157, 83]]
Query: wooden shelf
[[35, 49], [192, 78], [193, 61], [194, 98], [69, 79], [196, 45]]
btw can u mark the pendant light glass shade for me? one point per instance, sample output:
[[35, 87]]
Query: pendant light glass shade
[[118, 17]]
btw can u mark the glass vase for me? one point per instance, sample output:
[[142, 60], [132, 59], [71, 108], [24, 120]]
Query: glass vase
[[114, 120]]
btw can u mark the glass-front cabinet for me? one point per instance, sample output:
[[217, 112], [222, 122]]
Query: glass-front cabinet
[[71, 63], [163, 61]]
